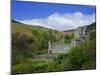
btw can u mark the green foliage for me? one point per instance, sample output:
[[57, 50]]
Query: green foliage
[[84, 55], [28, 41], [77, 57], [21, 68], [68, 41], [90, 64], [29, 67], [91, 27], [21, 46], [81, 56], [40, 67], [92, 35], [52, 67], [68, 38]]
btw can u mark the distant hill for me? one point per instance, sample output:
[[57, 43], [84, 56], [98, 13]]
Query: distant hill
[[20, 27], [23, 28], [91, 26], [29, 27], [16, 21]]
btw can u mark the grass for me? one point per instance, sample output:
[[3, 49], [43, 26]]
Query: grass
[[18, 27], [79, 58]]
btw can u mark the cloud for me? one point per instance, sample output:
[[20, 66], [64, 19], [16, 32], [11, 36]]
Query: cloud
[[62, 22]]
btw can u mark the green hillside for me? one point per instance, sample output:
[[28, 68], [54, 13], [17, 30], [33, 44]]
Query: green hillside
[[92, 26], [22, 28], [19, 27], [28, 41], [35, 37]]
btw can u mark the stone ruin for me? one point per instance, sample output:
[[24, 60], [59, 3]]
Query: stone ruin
[[80, 36]]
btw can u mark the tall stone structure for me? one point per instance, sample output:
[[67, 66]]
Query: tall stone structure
[[81, 35]]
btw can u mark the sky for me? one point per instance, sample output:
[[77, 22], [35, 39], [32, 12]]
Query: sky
[[51, 15]]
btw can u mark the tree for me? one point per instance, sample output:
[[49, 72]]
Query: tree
[[21, 46]]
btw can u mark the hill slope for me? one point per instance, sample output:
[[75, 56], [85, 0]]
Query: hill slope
[[23, 28], [19, 27]]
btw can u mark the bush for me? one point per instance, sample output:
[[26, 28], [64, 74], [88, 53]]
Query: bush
[[29, 67], [52, 67], [89, 64], [81, 56], [22, 68]]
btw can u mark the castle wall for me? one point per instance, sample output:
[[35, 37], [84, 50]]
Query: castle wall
[[60, 48], [80, 35]]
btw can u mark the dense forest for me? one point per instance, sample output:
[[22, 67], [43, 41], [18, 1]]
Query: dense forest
[[28, 41]]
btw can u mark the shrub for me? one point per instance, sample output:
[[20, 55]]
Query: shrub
[[29, 67], [52, 67], [89, 64]]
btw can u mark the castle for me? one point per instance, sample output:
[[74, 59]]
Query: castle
[[80, 36]]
